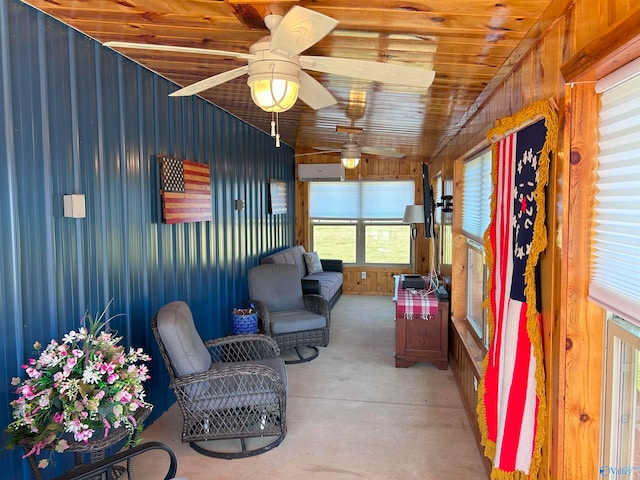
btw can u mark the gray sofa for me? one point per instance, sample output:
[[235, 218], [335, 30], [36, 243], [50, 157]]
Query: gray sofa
[[327, 283]]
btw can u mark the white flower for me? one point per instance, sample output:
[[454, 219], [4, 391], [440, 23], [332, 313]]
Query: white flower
[[90, 376], [69, 337]]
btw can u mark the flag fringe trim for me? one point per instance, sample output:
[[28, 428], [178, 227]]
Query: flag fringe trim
[[497, 474], [540, 109]]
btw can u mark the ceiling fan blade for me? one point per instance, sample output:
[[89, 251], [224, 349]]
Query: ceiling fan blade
[[366, 70], [316, 153], [383, 151], [210, 82], [174, 48], [327, 149], [299, 29], [313, 92]]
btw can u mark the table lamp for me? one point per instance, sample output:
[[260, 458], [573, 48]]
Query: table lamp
[[413, 214]]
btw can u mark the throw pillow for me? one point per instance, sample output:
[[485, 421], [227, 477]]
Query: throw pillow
[[313, 262]]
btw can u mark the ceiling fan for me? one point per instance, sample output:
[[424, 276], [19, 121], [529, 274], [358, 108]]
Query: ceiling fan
[[351, 151], [276, 67]]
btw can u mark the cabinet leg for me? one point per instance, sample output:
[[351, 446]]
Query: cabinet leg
[[442, 365], [403, 363]]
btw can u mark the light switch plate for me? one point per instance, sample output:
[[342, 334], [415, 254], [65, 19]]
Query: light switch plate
[[74, 206]]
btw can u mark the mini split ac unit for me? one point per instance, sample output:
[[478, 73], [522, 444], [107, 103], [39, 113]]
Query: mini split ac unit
[[326, 172]]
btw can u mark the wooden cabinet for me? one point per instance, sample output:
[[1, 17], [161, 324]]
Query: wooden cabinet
[[423, 340]]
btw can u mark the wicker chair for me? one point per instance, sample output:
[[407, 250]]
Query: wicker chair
[[292, 319], [232, 391]]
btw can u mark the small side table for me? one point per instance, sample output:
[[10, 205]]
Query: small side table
[[422, 330]]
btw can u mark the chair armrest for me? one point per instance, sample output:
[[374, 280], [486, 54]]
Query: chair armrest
[[263, 314], [310, 286], [242, 348], [246, 378], [318, 305], [331, 264]]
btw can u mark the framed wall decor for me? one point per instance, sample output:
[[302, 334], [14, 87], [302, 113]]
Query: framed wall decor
[[277, 197], [185, 187]]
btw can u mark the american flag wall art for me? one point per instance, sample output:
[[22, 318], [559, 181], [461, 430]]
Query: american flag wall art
[[511, 395], [185, 187]]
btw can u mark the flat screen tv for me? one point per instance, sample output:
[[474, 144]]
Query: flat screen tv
[[427, 202]]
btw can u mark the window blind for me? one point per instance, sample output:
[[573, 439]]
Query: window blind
[[476, 196], [360, 200], [615, 263]]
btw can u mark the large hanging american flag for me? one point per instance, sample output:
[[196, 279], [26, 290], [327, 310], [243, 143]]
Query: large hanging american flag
[[185, 187], [511, 395]]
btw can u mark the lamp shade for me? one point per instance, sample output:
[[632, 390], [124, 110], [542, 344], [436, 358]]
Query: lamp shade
[[413, 214]]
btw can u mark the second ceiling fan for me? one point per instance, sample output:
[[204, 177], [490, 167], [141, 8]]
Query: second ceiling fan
[[351, 152], [276, 67]]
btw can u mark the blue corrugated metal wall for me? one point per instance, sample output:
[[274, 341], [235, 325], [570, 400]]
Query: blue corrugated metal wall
[[78, 118]]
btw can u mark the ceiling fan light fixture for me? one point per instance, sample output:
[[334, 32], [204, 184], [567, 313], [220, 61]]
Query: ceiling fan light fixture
[[274, 81], [350, 162], [350, 155], [274, 94]]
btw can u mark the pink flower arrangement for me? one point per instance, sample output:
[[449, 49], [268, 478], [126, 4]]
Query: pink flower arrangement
[[87, 382]]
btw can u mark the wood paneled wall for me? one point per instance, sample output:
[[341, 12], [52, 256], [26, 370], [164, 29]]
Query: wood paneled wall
[[585, 32], [379, 280], [465, 359], [577, 40]]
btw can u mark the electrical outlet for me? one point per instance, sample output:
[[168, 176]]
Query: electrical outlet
[[363, 275]]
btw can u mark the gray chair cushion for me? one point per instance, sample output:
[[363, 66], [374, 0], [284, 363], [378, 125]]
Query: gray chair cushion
[[292, 256], [277, 286], [184, 346], [295, 321]]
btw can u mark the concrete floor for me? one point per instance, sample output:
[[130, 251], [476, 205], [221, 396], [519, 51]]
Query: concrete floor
[[351, 414]]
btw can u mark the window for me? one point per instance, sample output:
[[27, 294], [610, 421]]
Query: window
[[437, 197], [437, 221], [621, 432], [361, 221], [476, 216], [476, 291], [476, 196], [615, 267], [447, 228]]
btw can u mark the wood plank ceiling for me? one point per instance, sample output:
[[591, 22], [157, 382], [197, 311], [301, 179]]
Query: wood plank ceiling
[[471, 45]]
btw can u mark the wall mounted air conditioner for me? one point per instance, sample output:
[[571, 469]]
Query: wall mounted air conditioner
[[326, 172]]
